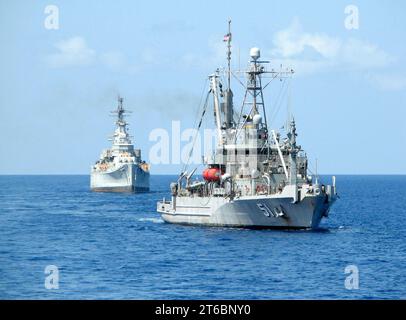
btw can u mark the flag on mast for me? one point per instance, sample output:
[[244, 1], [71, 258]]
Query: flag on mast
[[227, 37]]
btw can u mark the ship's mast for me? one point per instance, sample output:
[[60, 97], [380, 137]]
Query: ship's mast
[[254, 97], [293, 150], [120, 109], [121, 135], [228, 94], [254, 85], [229, 55], [121, 123]]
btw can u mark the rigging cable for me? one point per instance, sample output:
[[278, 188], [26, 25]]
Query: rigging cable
[[197, 115], [278, 102], [197, 131]]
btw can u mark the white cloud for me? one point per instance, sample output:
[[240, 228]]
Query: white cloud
[[388, 82], [72, 52], [150, 55], [293, 41], [114, 60], [305, 52], [316, 52], [363, 55]]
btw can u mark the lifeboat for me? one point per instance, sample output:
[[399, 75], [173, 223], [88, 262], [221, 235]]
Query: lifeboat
[[211, 174]]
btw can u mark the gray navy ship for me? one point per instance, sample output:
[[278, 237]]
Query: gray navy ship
[[120, 168], [255, 178]]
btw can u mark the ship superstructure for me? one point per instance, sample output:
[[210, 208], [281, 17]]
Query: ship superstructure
[[120, 168], [255, 178]]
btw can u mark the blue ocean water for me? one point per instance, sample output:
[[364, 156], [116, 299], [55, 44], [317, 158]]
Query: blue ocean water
[[115, 246]]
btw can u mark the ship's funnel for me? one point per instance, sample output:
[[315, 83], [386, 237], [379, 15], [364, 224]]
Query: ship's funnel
[[228, 108], [255, 53]]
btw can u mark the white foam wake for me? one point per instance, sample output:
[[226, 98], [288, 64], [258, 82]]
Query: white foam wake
[[153, 220]]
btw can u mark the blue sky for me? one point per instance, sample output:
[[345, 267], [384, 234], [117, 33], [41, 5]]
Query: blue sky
[[58, 86]]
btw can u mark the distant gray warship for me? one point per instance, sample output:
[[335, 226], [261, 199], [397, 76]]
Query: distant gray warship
[[120, 169], [254, 178]]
